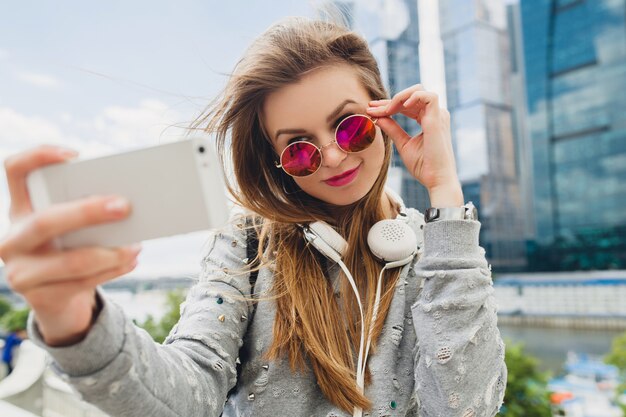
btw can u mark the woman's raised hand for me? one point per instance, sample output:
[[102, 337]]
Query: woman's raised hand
[[59, 285], [428, 156]]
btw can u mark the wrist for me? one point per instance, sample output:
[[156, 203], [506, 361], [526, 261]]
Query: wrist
[[54, 335], [69, 327], [447, 195]]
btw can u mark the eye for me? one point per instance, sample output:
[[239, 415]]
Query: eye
[[296, 139], [341, 118], [334, 125]]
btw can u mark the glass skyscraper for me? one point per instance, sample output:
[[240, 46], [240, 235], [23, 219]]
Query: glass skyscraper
[[523, 144], [475, 70], [477, 74], [402, 63], [575, 72], [398, 58]]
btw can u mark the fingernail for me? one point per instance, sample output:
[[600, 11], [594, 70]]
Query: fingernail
[[117, 205]]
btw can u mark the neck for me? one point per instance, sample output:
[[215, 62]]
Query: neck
[[390, 208]]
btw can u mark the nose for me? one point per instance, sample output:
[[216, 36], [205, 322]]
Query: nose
[[332, 156]]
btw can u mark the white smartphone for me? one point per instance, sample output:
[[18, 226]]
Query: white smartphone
[[173, 188]]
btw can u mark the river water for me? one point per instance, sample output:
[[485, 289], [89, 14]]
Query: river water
[[550, 345]]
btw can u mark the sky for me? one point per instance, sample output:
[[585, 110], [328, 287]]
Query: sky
[[107, 77]]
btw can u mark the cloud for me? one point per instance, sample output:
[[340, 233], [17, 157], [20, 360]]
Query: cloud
[[3, 54], [38, 80], [19, 130], [148, 124], [114, 128]]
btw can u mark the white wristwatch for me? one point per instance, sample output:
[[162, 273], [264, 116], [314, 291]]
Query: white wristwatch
[[465, 212]]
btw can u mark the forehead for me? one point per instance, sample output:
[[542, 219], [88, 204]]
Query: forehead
[[307, 103]]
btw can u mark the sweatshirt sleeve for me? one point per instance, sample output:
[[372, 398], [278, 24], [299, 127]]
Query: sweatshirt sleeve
[[459, 369], [120, 369]]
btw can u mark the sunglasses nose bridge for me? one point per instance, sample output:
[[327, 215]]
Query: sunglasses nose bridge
[[332, 158], [330, 143]]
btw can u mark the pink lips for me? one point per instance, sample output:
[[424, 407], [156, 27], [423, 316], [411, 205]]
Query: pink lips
[[343, 179]]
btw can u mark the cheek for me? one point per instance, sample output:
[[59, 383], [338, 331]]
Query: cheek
[[376, 152], [307, 183]]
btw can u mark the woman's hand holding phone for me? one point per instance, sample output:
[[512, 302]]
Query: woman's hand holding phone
[[59, 285]]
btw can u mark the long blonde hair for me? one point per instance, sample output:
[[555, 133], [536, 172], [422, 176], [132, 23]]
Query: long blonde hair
[[306, 315]]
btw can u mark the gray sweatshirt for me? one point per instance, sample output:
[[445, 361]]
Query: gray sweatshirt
[[440, 353]]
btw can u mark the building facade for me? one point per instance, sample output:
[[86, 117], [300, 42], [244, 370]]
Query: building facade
[[574, 55], [473, 76], [477, 73]]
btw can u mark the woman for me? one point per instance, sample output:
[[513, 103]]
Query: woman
[[298, 90]]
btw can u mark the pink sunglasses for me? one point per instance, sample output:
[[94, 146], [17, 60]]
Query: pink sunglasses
[[354, 134]]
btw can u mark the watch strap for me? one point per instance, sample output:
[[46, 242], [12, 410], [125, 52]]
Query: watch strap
[[465, 212]]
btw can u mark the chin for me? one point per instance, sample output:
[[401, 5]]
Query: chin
[[343, 201], [344, 196]]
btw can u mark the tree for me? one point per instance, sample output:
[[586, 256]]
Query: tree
[[526, 391], [15, 320], [617, 357], [159, 330], [5, 306]]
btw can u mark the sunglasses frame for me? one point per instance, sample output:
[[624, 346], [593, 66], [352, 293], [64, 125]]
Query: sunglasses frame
[[319, 149]]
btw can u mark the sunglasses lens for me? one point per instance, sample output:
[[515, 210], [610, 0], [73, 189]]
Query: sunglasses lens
[[301, 159], [356, 133]]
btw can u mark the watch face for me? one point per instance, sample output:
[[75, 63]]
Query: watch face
[[431, 213], [471, 212]]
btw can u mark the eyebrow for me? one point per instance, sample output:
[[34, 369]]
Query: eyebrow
[[330, 117]]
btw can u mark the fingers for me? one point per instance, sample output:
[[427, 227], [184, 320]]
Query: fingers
[[399, 101], [428, 112], [38, 228], [413, 102], [19, 165], [102, 277], [379, 103], [395, 104], [394, 131], [29, 271], [43, 297]]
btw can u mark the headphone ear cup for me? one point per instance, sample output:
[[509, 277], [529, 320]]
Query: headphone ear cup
[[392, 240], [330, 236]]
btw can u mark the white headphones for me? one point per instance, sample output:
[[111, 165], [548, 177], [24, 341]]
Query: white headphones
[[391, 241]]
